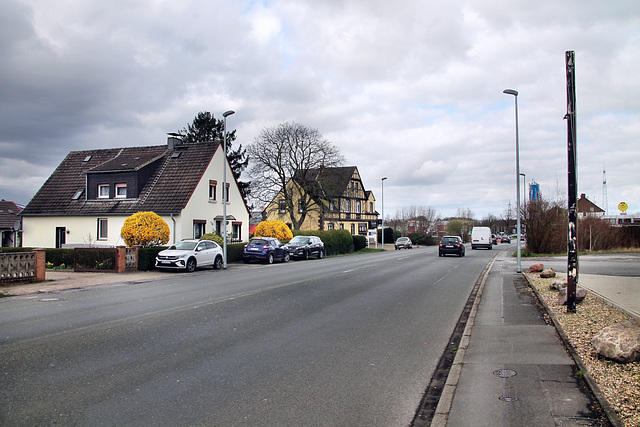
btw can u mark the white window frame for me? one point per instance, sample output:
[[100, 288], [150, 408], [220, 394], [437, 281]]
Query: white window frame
[[101, 194], [103, 229], [119, 187], [213, 191]]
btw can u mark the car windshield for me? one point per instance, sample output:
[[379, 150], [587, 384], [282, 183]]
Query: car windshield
[[449, 240], [403, 239], [184, 246], [299, 240]]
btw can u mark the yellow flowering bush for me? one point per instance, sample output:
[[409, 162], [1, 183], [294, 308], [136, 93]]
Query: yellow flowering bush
[[213, 236], [145, 229], [274, 228]]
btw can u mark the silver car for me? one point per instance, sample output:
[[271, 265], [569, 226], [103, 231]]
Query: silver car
[[190, 254], [403, 243]]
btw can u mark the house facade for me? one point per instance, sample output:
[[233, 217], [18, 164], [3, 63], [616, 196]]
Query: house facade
[[330, 199], [90, 194], [10, 225], [586, 207]]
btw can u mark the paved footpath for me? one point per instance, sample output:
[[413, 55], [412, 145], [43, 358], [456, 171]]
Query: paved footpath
[[511, 368]]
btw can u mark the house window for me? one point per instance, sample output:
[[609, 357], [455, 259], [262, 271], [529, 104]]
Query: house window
[[226, 195], [237, 231], [212, 190], [198, 228], [283, 206], [358, 206], [362, 228], [78, 194], [370, 206], [103, 228], [347, 205], [103, 191], [332, 206], [330, 226], [341, 226], [353, 229], [121, 191]]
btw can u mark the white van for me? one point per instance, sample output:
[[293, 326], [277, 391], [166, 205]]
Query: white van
[[481, 237]]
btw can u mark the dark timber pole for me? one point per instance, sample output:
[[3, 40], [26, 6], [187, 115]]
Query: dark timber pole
[[572, 259]]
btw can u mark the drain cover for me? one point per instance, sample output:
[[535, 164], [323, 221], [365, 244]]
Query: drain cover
[[504, 373], [508, 398]]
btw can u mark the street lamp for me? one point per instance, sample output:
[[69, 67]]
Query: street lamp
[[383, 212], [515, 96], [224, 191]]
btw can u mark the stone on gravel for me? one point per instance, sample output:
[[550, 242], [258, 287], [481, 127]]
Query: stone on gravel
[[547, 273], [619, 342], [557, 285], [581, 294], [536, 268]]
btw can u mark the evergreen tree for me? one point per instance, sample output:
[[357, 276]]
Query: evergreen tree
[[206, 128]]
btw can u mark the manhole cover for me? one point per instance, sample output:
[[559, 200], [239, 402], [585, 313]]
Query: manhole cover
[[504, 373], [48, 299], [508, 398]]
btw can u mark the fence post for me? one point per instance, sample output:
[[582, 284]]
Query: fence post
[[41, 266], [121, 259]]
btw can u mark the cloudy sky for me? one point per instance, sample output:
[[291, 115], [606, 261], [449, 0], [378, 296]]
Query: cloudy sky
[[409, 90]]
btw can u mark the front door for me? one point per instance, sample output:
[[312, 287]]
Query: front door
[[61, 236]]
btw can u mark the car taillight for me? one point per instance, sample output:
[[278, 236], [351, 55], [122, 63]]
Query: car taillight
[[440, 244]]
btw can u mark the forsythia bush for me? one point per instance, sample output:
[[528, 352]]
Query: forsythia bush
[[274, 228], [145, 229]]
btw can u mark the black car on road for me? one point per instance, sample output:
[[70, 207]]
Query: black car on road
[[302, 247], [265, 249], [451, 245]]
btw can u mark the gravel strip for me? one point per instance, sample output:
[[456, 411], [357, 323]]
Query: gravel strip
[[619, 382]]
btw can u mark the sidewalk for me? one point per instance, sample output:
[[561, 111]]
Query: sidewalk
[[511, 368]]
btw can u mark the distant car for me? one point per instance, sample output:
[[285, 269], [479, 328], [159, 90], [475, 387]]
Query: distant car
[[403, 243], [506, 239], [451, 245], [302, 247], [494, 239], [266, 249], [190, 254]]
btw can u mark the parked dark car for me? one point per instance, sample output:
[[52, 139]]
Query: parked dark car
[[265, 249], [506, 239], [403, 243], [451, 245], [302, 247]]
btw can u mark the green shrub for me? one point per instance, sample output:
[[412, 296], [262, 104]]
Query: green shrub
[[359, 242], [59, 257], [335, 241], [147, 257], [215, 237], [95, 259], [234, 252]]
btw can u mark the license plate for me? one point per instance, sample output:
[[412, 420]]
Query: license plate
[[254, 249], [449, 246], [165, 262]]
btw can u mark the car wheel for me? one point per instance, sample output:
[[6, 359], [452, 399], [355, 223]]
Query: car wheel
[[306, 255], [320, 254], [191, 265], [270, 259], [217, 264], [286, 257]]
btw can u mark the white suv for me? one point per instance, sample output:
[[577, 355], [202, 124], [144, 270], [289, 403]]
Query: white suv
[[190, 254]]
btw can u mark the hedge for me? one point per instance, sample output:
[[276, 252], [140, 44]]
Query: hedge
[[335, 241], [359, 242]]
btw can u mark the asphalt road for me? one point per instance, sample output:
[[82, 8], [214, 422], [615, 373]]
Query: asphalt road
[[340, 341]]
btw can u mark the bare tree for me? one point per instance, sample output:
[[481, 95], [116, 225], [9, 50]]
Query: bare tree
[[290, 151]]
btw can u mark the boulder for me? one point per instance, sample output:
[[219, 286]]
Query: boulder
[[581, 294], [536, 268], [619, 342], [557, 285], [547, 273]]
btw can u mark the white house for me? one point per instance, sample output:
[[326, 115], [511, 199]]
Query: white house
[[88, 197]]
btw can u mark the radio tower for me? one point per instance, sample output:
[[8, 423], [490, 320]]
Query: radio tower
[[605, 202]]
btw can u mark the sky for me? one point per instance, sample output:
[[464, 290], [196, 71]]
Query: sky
[[411, 91]]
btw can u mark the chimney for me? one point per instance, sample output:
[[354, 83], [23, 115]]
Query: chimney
[[172, 142]]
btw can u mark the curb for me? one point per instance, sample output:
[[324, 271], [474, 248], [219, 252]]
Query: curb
[[611, 414]]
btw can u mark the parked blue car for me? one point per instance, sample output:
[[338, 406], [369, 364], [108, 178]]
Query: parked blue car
[[265, 249]]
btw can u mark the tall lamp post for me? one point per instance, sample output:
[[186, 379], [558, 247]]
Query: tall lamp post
[[515, 96], [224, 191], [383, 211]]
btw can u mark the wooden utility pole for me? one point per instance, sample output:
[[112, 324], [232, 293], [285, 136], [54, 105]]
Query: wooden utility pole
[[572, 250]]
